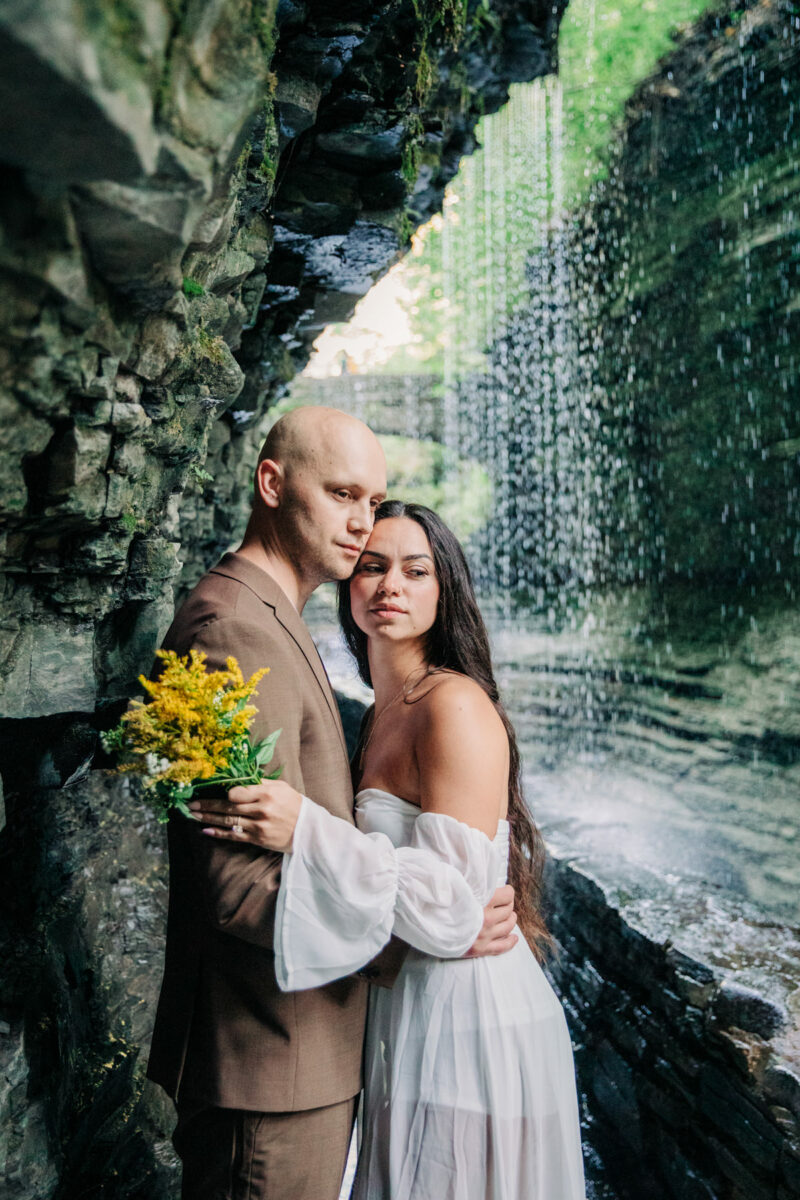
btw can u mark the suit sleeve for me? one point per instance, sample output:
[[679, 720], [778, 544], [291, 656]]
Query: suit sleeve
[[239, 883]]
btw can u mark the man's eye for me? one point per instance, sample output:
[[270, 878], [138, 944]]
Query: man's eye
[[342, 493]]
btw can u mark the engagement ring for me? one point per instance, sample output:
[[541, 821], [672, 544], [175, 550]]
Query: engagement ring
[[237, 828]]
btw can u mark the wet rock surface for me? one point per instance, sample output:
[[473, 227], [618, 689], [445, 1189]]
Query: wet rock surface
[[678, 1003], [189, 193], [162, 285], [85, 876]]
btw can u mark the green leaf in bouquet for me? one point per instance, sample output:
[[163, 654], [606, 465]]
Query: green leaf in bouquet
[[265, 750]]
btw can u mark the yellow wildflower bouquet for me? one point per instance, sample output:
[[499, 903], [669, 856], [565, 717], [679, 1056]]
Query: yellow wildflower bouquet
[[192, 733]]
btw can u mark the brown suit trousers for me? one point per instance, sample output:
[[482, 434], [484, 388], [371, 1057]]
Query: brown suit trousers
[[233, 1155]]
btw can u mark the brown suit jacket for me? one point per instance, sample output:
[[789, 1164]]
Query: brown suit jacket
[[224, 1033]]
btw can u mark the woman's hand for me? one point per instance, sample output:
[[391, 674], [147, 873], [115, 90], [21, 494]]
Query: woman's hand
[[264, 815]]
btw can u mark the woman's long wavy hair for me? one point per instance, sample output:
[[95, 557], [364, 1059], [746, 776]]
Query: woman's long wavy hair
[[458, 642]]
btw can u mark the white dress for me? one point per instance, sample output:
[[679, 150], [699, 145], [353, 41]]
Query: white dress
[[469, 1080]]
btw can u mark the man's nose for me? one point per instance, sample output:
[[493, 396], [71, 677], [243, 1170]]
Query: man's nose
[[361, 517]]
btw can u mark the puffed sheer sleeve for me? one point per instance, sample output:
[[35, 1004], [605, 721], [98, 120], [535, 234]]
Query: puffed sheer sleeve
[[343, 893]]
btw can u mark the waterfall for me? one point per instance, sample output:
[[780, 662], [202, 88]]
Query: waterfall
[[597, 377]]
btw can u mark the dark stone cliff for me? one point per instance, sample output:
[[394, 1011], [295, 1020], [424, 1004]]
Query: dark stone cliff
[[191, 191]]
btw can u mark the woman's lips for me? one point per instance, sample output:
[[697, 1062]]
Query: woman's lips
[[383, 610]]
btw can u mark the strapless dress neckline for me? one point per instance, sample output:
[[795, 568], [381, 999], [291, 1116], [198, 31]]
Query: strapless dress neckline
[[367, 793]]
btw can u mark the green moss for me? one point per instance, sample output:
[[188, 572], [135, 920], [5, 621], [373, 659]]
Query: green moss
[[439, 21], [244, 155], [211, 348], [406, 231], [267, 30], [192, 288], [268, 167], [409, 167], [448, 17], [425, 76], [128, 521]]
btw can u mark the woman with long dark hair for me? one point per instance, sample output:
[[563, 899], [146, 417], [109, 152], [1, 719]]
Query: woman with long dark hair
[[469, 1084], [458, 642]]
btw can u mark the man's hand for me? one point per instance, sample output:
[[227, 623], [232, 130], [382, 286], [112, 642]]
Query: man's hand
[[497, 935]]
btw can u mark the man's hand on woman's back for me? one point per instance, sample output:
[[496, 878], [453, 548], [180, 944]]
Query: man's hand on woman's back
[[497, 935]]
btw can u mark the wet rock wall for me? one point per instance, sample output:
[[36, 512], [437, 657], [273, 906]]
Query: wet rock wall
[[189, 193], [229, 180], [684, 1010]]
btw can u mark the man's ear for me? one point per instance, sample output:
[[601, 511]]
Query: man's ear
[[269, 482]]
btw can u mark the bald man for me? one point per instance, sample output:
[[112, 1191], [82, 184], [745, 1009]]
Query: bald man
[[266, 1082]]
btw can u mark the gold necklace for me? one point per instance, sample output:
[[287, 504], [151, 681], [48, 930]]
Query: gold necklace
[[405, 692]]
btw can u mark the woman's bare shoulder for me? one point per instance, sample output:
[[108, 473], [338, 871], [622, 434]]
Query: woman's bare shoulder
[[449, 698], [461, 750]]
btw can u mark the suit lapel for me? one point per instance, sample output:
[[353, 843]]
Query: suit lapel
[[269, 592]]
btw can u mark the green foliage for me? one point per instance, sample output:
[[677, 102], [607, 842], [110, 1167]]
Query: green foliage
[[605, 48], [128, 522], [427, 472], [484, 17], [200, 475], [192, 288], [511, 191]]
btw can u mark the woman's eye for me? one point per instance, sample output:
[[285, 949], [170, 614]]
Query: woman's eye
[[417, 574]]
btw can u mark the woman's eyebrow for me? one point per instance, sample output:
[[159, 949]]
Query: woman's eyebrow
[[384, 557]]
